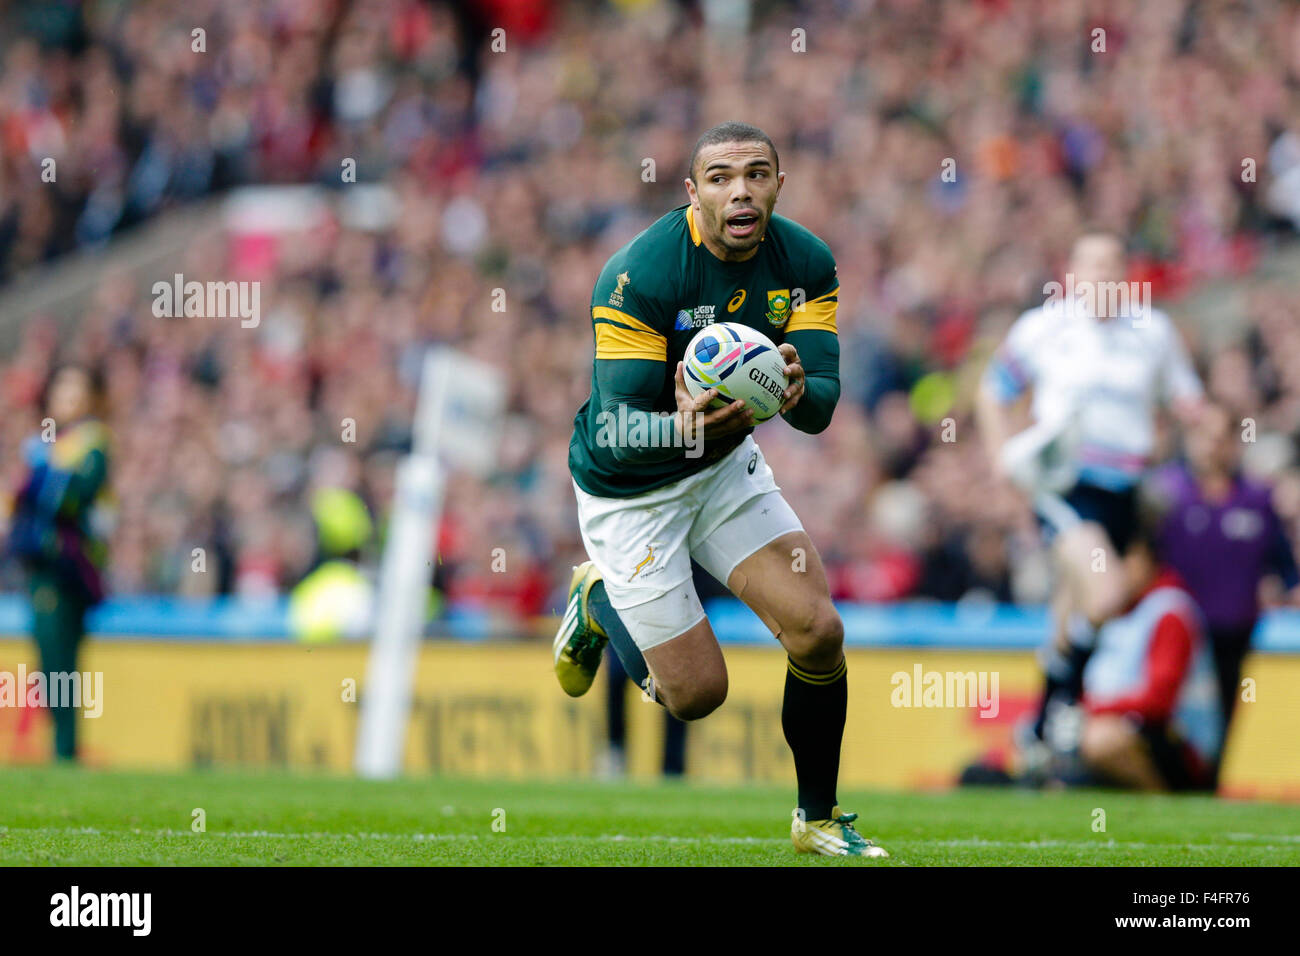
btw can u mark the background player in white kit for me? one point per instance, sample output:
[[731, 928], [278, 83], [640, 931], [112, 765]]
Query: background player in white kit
[[1095, 370]]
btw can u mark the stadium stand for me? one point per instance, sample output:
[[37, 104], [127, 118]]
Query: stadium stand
[[507, 172]]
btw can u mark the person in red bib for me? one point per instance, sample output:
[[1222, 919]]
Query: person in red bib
[[1150, 694]]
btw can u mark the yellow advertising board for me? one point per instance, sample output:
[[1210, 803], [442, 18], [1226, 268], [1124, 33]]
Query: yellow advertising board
[[494, 710]]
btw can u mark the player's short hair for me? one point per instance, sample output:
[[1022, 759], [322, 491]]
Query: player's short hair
[[732, 133]]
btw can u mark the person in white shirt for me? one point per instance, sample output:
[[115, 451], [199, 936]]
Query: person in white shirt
[[1094, 365]]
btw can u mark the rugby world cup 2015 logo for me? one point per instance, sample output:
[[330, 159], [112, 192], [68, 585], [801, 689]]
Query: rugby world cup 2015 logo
[[778, 306], [696, 318]]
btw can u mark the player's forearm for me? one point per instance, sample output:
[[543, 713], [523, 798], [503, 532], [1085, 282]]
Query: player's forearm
[[639, 436], [628, 424], [814, 411], [819, 353]]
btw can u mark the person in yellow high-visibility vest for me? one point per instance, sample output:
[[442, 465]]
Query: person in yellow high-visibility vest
[[336, 599]]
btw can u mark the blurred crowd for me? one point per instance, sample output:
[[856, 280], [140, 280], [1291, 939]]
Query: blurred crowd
[[523, 169]]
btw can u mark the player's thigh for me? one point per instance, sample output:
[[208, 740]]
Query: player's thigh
[[1088, 559], [1084, 545], [766, 559], [680, 650], [663, 618], [1093, 526], [689, 672], [742, 513], [785, 585]]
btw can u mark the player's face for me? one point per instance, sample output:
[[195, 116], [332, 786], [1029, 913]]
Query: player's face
[[735, 190], [1096, 259]]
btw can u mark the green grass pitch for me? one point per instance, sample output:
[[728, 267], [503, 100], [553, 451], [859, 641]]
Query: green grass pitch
[[68, 816]]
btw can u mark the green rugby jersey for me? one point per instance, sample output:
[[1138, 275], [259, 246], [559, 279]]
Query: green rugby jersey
[[652, 297]]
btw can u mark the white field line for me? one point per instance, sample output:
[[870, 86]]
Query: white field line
[[974, 842], [1111, 844], [398, 837], [1283, 837]]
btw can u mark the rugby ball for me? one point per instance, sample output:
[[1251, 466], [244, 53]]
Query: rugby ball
[[741, 363]]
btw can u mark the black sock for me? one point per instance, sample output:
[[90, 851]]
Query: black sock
[[1078, 661], [628, 653], [1062, 680], [1052, 687], [812, 717]]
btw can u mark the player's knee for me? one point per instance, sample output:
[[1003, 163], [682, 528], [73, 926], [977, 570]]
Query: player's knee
[[819, 637], [828, 631], [699, 699]]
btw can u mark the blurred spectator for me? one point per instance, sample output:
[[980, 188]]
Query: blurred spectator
[[1222, 536], [337, 599], [56, 530]]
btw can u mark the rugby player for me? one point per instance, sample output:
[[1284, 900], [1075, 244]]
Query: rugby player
[[646, 507], [1096, 369]]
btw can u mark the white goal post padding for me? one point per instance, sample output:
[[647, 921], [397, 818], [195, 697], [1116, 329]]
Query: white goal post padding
[[457, 423]]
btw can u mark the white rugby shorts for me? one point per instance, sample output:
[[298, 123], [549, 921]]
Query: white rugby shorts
[[643, 545]]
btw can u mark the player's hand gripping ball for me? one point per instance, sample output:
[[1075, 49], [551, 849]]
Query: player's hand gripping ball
[[741, 363]]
